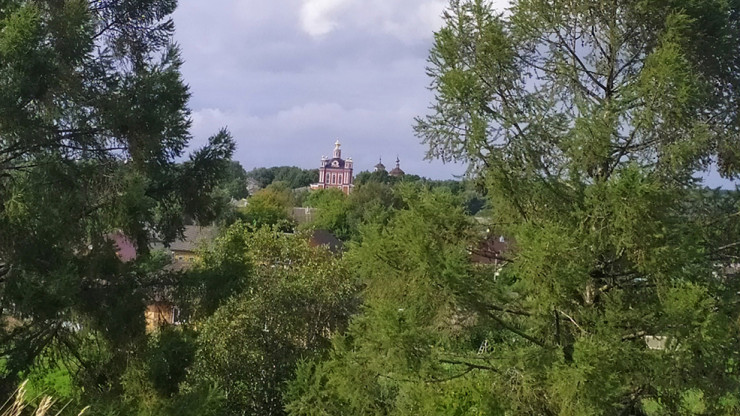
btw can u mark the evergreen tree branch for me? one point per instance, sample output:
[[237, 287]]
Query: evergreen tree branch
[[470, 366], [514, 330]]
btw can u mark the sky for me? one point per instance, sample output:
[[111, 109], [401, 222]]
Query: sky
[[290, 77]]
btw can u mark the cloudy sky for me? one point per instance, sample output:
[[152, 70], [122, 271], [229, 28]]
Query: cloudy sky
[[289, 77]]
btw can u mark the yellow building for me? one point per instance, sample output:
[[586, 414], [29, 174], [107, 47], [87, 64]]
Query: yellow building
[[185, 253], [185, 250]]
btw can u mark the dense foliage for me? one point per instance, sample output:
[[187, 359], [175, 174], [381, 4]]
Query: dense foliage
[[298, 298], [270, 206], [370, 201], [293, 176], [588, 121], [235, 183], [343, 215], [93, 131], [407, 352]]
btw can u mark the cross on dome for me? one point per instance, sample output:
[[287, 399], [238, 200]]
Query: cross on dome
[[397, 171]]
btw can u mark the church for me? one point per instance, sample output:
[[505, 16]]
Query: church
[[335, 172]]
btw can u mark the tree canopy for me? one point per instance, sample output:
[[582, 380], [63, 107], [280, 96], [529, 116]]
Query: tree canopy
[[589, 122], [294, 177], [270, 206], [235, 181], [299, 297], [344, 215], [93, 132]]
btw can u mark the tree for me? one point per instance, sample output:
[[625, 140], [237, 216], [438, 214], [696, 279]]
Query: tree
[[378, 176], [371, 203], [294, 177], [331, 211], [382, 176], [408, 350], [225, 270], [343, 215], [298, 298], [93, 117], [588, 121], [270, 206], [235, 182]]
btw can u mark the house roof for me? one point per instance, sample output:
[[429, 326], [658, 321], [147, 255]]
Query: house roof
[[339, 161], [325, 238], [194, 236], [492, 249], [303, 215]]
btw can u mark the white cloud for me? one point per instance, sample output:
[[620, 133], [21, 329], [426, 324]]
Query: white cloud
[[416, 23], [406, 20], [318, 17]]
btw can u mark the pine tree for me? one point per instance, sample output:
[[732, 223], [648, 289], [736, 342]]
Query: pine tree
[[588, 123], [93, 125]]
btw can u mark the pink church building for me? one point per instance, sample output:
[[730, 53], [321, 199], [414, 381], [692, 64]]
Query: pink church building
[[335, 172]]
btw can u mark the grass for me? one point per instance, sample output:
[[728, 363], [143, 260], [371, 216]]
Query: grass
[[18, 405]]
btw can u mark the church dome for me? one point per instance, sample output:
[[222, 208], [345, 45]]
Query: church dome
[[380, 167], [397, 171]]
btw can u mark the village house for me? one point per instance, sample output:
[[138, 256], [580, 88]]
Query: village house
[[160, 309], [184, 251]]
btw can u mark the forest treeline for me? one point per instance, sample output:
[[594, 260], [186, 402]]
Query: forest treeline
[[598, 275]]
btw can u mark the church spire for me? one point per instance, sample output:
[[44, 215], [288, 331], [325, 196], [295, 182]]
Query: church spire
[[337, 150], [380, 166], [397, 171]]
